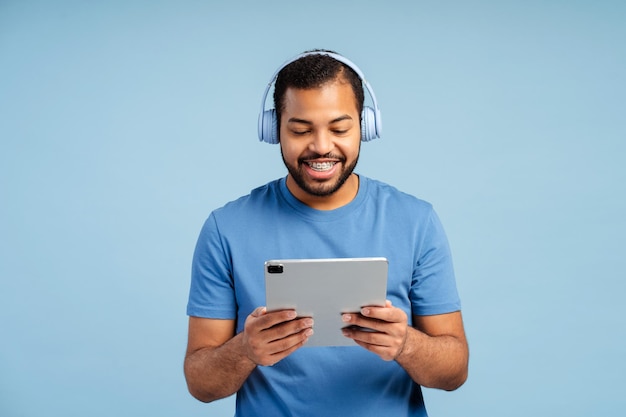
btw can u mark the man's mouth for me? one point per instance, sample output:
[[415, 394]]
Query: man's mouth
[[321, 166]]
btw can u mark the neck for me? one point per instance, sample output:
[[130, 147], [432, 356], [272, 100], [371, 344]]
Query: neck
[[339, 198]]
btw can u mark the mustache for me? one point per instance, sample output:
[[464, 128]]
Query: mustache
[[314, 155]]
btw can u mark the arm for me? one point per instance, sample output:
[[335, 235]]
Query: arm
[[214, 367], [218, 362], [434, 352]]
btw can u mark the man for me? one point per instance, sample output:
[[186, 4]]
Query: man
[[322, 209]]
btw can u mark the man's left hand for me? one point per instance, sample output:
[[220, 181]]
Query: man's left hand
[[385, 330]]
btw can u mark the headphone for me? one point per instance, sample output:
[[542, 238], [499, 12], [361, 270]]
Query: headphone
[[371, 125]]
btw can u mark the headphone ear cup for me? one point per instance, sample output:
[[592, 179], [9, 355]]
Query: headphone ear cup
[[268, 127], [369, 130]]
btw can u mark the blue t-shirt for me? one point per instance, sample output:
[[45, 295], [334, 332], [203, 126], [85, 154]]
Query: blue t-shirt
[[270, 223]]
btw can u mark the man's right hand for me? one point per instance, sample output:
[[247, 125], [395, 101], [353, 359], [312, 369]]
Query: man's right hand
[[270, 337]]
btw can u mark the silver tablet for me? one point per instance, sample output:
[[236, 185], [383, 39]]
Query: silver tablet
[[324, 289]]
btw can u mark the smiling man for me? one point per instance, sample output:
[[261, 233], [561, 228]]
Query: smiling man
[[323, 209], [320, 143]]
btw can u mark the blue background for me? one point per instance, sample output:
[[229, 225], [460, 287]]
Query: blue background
[[124, 123]]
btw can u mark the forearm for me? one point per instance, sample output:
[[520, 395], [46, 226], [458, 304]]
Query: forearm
[[435, 361], [213, 373]]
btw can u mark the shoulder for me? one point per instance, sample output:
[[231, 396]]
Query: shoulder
[[392, 197], [258, 197], [238, 217]]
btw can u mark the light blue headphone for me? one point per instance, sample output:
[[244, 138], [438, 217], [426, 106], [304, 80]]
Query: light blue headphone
[[371, 126]]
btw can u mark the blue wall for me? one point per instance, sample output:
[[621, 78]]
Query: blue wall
[[124, 123]]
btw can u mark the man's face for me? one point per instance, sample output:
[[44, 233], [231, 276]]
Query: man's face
[[320, 139]]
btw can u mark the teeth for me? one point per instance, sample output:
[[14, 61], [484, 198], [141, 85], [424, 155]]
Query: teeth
[[321, 166]]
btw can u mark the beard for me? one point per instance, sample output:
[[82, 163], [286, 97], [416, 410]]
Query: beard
[[320, 188]]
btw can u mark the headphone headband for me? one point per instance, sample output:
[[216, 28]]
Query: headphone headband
[[371, 126]]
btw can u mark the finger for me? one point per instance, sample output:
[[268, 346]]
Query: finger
[[265, 320], [266, 347], [389, 314], [382, 344], [280, 349], [258, 312], [285, 329], [362, 321], [287, 343], [386, 353], [367, 336], [374, 331]]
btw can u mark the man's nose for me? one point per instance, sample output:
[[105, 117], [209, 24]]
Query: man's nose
[[322, 142]]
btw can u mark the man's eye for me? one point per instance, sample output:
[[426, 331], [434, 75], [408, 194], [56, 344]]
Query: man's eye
[[300, 132]]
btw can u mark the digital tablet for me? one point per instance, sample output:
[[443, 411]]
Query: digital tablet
[[324, 289]]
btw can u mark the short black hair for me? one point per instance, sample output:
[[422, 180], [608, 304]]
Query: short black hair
[[313, 71]]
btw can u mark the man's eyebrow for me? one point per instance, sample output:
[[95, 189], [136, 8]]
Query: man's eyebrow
[[296, 120], [341, 118], [308, 122]]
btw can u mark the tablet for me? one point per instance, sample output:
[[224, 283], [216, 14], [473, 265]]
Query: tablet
[[324, 289]]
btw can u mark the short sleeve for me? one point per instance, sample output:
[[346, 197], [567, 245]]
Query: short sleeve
[[211, 294], [433, 287]]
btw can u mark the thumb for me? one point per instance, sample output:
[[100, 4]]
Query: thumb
[[259, 311]]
